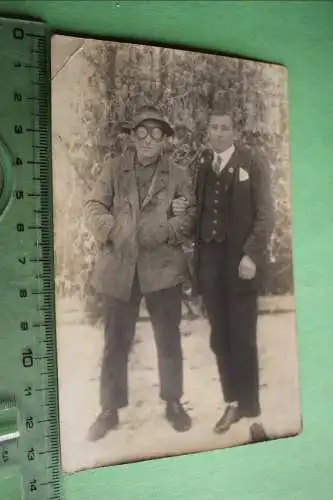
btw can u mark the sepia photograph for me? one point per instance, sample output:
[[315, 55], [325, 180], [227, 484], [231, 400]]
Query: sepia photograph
[[175, 308]]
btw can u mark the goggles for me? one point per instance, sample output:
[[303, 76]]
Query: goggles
[[155, 133]]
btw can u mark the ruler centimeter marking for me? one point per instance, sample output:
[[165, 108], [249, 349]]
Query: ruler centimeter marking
[[29, 215]]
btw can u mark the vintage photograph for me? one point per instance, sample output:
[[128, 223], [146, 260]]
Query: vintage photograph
[[175, 310]]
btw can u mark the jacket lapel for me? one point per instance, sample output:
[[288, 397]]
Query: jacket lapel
[[230, 170], [205, 162], [129, 180], [200, 183], [159, 181]]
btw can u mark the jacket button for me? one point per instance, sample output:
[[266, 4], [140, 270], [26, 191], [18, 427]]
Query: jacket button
[[214, 221], [214, 232], [217, 191], [215, 201]]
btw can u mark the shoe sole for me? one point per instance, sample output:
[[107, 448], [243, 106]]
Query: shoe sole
[[223, 431], [183, 429], [179, 429]]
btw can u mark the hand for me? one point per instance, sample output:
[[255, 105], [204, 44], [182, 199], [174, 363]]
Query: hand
[[247, 268], [179, 205]]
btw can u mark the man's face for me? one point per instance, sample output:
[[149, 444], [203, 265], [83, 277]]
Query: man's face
[[220, 132], [149, 140]]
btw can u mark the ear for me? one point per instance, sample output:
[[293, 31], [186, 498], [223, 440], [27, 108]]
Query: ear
[[236, 134]]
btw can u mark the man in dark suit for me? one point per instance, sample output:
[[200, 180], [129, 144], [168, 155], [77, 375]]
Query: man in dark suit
[[233, 224]]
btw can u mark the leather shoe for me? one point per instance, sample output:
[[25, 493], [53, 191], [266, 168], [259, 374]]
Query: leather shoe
[[105, 422], [179, 419], [258, 433], [230, 416]]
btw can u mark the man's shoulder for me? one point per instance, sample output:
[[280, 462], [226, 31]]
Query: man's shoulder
[[107, 171], [112, 165], [179, 174], [244, 152], [249, 158], [176, 168]]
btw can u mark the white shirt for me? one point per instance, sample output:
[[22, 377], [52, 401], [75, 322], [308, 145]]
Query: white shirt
[[222, 159]]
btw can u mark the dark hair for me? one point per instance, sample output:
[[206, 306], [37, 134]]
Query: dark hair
[[220, 105], [220, 108]]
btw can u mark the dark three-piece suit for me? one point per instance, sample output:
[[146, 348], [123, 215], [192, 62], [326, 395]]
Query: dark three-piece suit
[[233, 219]]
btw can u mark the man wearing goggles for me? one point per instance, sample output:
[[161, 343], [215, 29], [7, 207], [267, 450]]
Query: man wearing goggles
[[140, 242], [155, 132]]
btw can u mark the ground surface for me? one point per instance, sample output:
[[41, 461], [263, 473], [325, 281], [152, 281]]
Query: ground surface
[[144, 433]]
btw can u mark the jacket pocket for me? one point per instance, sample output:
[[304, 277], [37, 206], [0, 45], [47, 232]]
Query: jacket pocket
[[153, 230], [123, 233], [106, 266]]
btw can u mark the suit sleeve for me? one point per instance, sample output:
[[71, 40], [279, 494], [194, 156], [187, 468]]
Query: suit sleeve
[[256, 243], [98, 207], [181, 227]]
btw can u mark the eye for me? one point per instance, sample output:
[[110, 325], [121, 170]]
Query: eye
[[157, 133], [141, 132]]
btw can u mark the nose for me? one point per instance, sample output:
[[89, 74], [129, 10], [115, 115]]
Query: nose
[[148, 139]]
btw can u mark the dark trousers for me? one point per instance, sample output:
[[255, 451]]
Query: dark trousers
[[164, 308], [233, 321]]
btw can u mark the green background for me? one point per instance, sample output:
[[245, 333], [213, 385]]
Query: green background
[[300, 36]]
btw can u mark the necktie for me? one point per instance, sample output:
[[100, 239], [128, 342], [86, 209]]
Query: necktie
[[217, 164]]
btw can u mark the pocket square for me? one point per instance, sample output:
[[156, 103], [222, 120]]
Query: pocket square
[[243, 175]]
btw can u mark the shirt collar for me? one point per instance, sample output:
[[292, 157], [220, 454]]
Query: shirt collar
[[221, 160], [227, 154]]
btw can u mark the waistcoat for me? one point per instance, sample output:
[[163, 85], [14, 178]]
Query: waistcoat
[[213, 218]]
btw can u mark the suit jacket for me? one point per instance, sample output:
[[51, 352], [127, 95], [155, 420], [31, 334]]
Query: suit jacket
[[249, 216], [147, 238]]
